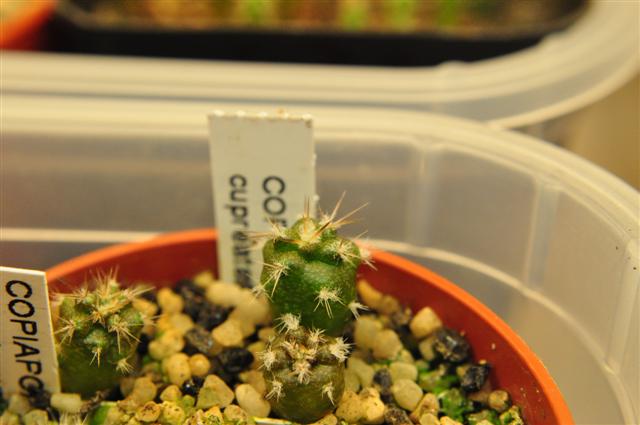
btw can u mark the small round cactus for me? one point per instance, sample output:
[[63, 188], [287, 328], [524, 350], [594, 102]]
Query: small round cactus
[[310, 271], [304, 372], [97, 333]]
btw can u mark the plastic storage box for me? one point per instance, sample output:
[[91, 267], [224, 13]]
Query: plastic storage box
[[542, 90], [546, 240]]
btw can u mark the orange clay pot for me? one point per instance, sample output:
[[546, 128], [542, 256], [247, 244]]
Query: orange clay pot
[[169, 258]]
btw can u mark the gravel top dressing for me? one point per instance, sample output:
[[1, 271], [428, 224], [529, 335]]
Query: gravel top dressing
[[200, 360]]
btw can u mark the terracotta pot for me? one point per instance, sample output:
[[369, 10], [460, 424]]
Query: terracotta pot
[[169, 258]]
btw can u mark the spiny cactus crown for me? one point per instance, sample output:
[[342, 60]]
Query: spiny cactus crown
[[309, 271], [97, 332]]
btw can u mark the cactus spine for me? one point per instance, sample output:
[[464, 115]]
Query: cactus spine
[[97, 333], [309, 277]]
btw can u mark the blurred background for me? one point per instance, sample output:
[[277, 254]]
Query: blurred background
[[442, 49], [501, 136]]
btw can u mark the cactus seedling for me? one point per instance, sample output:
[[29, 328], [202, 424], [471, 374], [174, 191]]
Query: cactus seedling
[[97, 334], [304, 371], [309, 271]]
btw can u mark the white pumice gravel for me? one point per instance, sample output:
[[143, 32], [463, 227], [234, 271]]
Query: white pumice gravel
[[169, 301], [36, 417], [235, 413], [428, 404], [214, 392], [372, 406], [177, 368], [181, 322], [171, 393], [351, 380], [362, 369], [388, 305], [499, 400], [251, 401], [406, 393], [228, 334], [387, 345], [143, 390], [426, 348], [429, 419], [329, 419], [199, 365], [445, 420], [18, 404], [66, 402], [370, 296], [255, 378], [424, 323], [150, 412], [365, 331], [403, 370], [204, 279], [224, 294], [350, 408]]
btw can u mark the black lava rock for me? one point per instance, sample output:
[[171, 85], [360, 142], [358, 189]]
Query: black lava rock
[[234, 360], [396, 416], [210, 316], [383, 382], [186, 287], [192, 386], [475, 376], [451, 346], [198, 340], [40, 398]]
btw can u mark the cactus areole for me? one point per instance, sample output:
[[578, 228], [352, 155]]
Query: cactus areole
[[309, 271], [97, 333]]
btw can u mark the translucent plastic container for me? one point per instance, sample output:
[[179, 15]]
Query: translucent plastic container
[[540, 90], [545, 239]]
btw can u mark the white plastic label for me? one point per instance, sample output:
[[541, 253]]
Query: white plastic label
[[26, 333], [263, 170]]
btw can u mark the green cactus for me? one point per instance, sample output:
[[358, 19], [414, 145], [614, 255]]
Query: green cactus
[[309, 271], [304, 371], [97, 334]]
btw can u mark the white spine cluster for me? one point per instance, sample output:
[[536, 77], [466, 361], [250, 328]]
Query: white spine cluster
[[302, 370], [268, 358], [327, 390], [275, 271], [324, 297], [339, 349], [276, 390], [355, 306], [288, 323]]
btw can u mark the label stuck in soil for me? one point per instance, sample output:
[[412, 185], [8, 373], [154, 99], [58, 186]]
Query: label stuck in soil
[[263, 170], [26, 333]]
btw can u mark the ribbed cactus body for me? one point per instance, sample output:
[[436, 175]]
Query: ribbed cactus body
[[310, 271], [97, 333], [304, 371]]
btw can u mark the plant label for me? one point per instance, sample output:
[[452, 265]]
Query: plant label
[[263, 171], [26, 333]]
